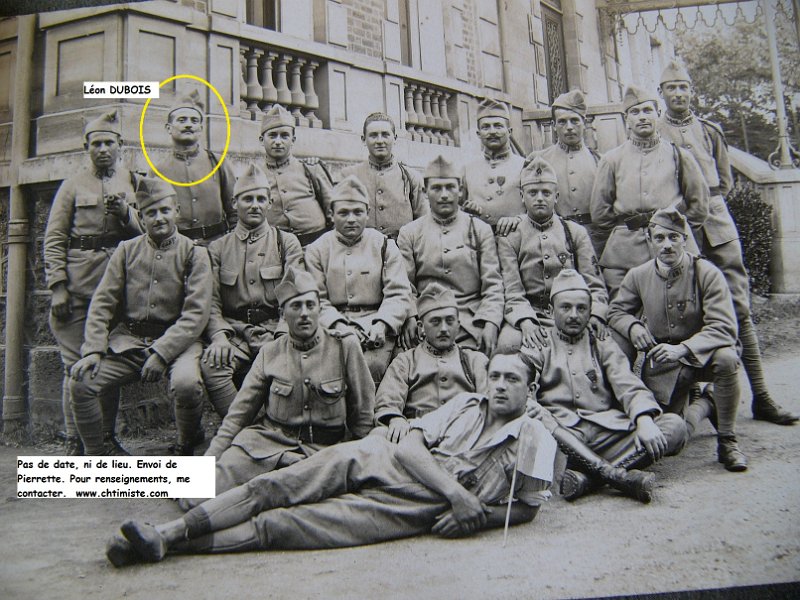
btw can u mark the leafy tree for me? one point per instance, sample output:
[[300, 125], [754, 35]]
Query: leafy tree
[[731, 75]]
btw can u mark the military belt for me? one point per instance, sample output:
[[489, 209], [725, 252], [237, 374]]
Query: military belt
[[254, 315], [357, 307], [147, 329], [314, 434], [634, 221], [581, 218], [205, 231], [306, 238], [93, 242]]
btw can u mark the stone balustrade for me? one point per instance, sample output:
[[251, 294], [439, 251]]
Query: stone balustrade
[[270, 76], [427, 114]]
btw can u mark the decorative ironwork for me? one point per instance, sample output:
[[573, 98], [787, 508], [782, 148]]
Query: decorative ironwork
[[554, 53]]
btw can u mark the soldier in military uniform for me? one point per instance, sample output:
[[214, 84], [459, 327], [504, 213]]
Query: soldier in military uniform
[[597, 409], [248, 263], [458, 250], [364, 289], [300, 193], [422, 379], [491, 183], [395, 192], [718, 239], [574, 163], [91, 214], [145, 320], [314, 384], [677, 309], [535, 253], [205, 211], [635, 179]]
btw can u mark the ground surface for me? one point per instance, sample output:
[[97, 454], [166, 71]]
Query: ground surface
[[705, 528]]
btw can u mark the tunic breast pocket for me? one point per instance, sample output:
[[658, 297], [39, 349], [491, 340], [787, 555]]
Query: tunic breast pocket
[[331, 396], [228, 277], [280, 401], [271, 273], [87, 200]]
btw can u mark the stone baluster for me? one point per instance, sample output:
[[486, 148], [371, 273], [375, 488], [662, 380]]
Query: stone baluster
[[419, 129], [430, 120], [447, 124], [295, 87], [411, 115], [269, 91], [284, 95], [437, 115], [243, 112], [312, 100], [255, 93]]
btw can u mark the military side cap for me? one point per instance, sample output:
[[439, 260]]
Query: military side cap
[[191, 100], [277, 116], [108, 122], [252, 179], [537, 171], [441, 168], [295, 283], [568, 280], [350, 188], [493, 108], [669, 218], [674, 71], [573, 100], [434, 297], [152, 189], [635, 95]]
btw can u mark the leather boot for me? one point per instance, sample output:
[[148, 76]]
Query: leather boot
[[766, 409], [73, 446], [112, 447], [574, 484], [729, 455]]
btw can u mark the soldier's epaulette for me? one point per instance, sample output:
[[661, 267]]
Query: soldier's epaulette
[[716, 127]]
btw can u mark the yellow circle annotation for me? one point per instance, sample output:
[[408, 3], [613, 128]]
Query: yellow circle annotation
[[227, 134]]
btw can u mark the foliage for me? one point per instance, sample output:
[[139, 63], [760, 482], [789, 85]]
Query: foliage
[[731, 75], [753, 219]]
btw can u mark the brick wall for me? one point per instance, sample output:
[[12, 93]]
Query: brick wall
[[471, 42], [365, 26]]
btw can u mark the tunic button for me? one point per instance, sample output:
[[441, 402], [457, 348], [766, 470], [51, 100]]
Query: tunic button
[[350, 273], [669, 305], [194, 199], [672, 325], [669, 285], [491, 179], [305, 407], [447, 271], [252, 281], [577, 394], [383, 227], [307, 380], [350, 295], [572, 172], [348, 253], [283, 191], [305, 355], [158, 257], [688, 146], [443, 379], [152, 306], [194, 220], [544, 236], [155, 280], [445, 231], [573, 372], [547, 275], [546, 256], [380, 208], [286, 211], [574, 189], [569, 352], [380, 191]]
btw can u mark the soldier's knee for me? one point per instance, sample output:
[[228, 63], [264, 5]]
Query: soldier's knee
[[674, 429], [725, 361], [186, 388]]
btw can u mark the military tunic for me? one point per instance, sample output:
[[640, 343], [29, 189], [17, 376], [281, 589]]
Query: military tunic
[[422, 379], [396, 195], [493, 183], [361, 283], [461, 254], [301, 197], [575, 170], [311, 391], [587, 386], [207, 204], [533, 255], [636, 179], [247, 265], [689, 305]]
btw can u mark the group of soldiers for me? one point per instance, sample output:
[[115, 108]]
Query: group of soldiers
[[458, 326]]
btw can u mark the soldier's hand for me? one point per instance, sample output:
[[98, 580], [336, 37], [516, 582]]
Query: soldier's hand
[[598, 327], [219, 353], [533, 335], [88, 364], [398, 429], [376, 335], [410, 334], [447, 526], [471, 207], [117, 205], [533, 408], [468, 511], [489, 338], [662, 353], [641, 338], [506, 225], [649, 436], [60, 303], [153, 368]]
